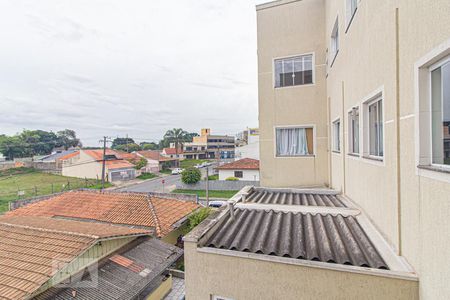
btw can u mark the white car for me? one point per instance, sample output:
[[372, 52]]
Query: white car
[[177, 171]]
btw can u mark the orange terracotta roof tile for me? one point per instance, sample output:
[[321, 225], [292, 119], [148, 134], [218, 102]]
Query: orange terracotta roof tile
[[172, 151], [118, 164], [242, 164], [68, 156], [154, 155], [97, 154], [33, 249], [134, 209]]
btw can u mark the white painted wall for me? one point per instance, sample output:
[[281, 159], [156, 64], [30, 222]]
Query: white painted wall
[[252, 175], [251, 150]]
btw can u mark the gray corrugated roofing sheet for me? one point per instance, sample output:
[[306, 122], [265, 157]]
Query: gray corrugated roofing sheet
[[263, 196], [320, 237], [123, 281]]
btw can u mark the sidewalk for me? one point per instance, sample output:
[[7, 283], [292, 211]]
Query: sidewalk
[[123, 184]]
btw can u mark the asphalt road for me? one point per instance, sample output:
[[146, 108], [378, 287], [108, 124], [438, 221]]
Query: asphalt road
[[157, 186]]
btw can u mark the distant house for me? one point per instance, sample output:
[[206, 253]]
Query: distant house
[[243, 169], [88, 164], [247, 144], [156, 161], [172, 153]]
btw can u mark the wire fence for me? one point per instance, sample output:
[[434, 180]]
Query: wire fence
[[49, 188]]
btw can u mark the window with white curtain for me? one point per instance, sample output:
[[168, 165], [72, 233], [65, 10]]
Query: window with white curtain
[[293, 141], [440, 112], [351, 6], [337, 136], [334, 47], [293, 71], [353, 130], [375, 127]]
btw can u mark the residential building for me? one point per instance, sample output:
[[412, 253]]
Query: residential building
[[207, 146], [247, 144], [353, 96], [55, 239], [156, 161], [172, 153], [89, 163], [243, 169]]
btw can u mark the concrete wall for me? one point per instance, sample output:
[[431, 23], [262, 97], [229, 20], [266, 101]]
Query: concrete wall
[[296, 28], [82, 166], [250, 279], [248, 175], [218, 185]]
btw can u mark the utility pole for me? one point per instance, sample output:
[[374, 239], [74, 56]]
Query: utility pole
[[103, 162], [207, 186], [127, 142]]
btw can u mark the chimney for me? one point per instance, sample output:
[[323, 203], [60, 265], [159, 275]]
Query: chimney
[[231, 209]]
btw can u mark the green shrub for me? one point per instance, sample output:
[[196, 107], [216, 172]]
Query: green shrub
[[146, 176], [140, 164], [213, 177], [198, 217], [232, 179], [191, 176]]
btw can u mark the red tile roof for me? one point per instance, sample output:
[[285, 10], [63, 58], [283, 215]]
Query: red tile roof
[[97, 154], [172, 151], [33, 249], [118, 164], [242, 164], [134, 209], [154, 155]]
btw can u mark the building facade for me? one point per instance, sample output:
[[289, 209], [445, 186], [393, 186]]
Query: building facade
[[247, 144], [208, 146], [353, 95]]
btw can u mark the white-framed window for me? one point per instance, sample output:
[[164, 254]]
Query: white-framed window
[[373, 127], [292, 71], [334, 46], [350, 6], [238, 174], [215, 297], [440, 112], [294, 141], [353, 130], [337, 135]]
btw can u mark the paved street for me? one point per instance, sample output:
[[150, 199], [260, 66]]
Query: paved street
[[157, 186]]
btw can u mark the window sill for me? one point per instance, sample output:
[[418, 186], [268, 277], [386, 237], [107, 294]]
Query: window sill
[[353, 154], [295, 156], [336, 152], [374, 158], [442, 169], [293, 86]]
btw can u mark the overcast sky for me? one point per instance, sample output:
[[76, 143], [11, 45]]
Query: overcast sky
[[112, 67]]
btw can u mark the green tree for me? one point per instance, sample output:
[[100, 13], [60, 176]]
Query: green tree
[[178, 137], [121, 141], [67, 138], [191, 176], [128, 147], [149, 146], [140, 164]]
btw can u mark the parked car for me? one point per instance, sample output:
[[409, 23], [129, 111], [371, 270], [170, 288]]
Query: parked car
[[198, 166], [177, 171], [217, 203]]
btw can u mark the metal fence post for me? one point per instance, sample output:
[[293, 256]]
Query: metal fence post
[[35, 190], [52, 188]]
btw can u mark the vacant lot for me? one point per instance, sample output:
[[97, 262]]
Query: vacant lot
[[24, 183], [188, 163], [212, 194]]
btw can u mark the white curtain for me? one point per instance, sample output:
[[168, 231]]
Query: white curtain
[[291, 142]]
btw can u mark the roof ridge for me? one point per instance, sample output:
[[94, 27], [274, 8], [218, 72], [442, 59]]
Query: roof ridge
[[50, 230], [155, 215]]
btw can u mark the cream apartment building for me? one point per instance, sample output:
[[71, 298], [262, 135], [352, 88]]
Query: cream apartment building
[[354, 95]]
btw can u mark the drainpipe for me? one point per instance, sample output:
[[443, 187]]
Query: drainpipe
[[397, 128], [343, 141]]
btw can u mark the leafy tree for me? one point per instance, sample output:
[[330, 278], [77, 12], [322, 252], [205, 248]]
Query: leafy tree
[[191, 176], [140, 164], [197, 217], [121, 141], [149, 146], [128, 147], [68, 138], [190, 136], [176, 136], [12, 147]]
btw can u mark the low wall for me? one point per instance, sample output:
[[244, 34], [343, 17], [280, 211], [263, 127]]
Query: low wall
[[218, 185], [183, 197]]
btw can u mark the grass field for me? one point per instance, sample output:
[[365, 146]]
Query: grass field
[[188, 163], [34, 183], [212, 194], [144, 176]]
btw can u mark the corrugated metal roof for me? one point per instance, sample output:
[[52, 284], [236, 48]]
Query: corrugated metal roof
[[321, 237], [265, 196], [118, 277]]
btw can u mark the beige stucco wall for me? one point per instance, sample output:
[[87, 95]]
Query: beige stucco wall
[[412, 211], [247, 279], [288, 30], [83, 167]]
